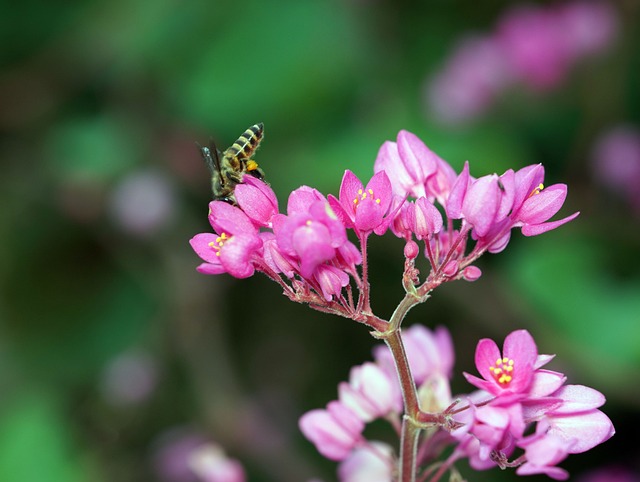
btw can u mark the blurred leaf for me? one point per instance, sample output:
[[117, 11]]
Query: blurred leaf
[[94, 148], [269, 62], [35, 442], [580, 303], [86, 311]]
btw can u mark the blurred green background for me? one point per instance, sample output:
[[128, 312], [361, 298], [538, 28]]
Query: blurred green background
[[115, 352]]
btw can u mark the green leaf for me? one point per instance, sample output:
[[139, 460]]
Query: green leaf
[[36, 444]]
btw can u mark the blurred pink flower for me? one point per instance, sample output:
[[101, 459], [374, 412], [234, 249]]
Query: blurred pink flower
[[335, 431], [210, 464], [616, 162], [373, 462], [533, 45]]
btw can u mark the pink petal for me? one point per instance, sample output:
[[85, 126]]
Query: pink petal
[[578, 398], [507, 187], [521, 348], [526, 180], [546, 382], [458, 193], [536, 229], [200, 244], [487, 353], [210, 268], [485, 385], [481, 204], [587, 429], [312, 244], [543, 205], [417, 157], [388, 160], [381, 187], [257, 200], [349, 191], [236, 255]]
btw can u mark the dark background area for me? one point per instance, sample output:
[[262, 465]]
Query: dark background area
[[114, 350]]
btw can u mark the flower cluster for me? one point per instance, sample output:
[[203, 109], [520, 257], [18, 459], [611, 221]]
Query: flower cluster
[[531, 45], [515, 394], [309, 247], [452, 218]]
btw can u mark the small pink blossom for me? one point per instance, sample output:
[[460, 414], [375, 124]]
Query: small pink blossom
[[335, 431], [210, 464], [257, 200], [331, 280], [616, 162], [369, 392], [408, 164], [373, 462], [311, 232], [235, 245], [509, 373], [543, 451], [363, 208], [420, 218], [497, 428]]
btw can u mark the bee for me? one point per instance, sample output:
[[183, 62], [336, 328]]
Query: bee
[[228, 168]]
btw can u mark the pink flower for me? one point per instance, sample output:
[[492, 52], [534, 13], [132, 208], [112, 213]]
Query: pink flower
[[577, 419], [234, 246], [369, 392], [373, 462], [210, 464], [470, 80], [533, 43], [431, 358], [616, 162], [497, 428], [257, 200], [543, 451], [311, 232], [534, 204], [408, 164], [331, 280], [509, 373], [363, 209], [494, 205], [589, 26], [335, 431], [420, 218]]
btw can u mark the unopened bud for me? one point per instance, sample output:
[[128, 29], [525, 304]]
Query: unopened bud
[[411, 249], [471, 273], [451, 268]]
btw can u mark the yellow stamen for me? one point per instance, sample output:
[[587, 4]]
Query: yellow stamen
[[219, 242], [503, 370], [537, 190]]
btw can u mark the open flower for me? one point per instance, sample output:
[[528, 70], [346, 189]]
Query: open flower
[[509, 373], [408, 163], [311, 232], [234, 246], [364, 208], [257, 200]]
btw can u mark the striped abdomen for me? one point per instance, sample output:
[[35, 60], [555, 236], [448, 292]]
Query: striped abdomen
[[247, 143]]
